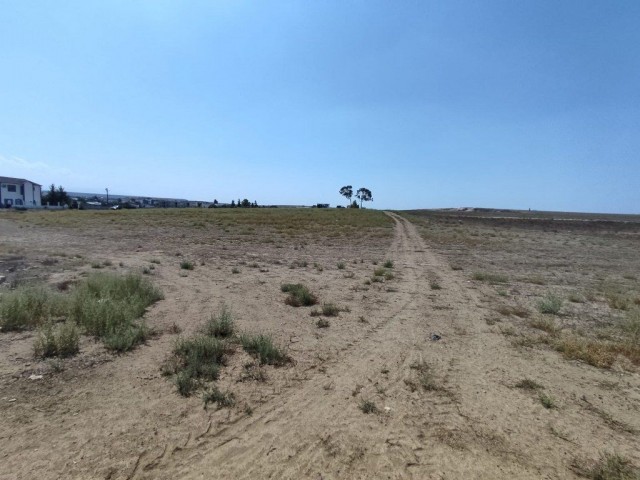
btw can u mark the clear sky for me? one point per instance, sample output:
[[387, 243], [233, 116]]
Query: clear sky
[[515, 104]]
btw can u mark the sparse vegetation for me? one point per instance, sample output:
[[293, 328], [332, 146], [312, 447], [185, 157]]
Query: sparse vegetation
[[220, 325], [330, 310], [528, 384], [28, 307], [368, 406], [263, 349], [388, 264], [186, 265], [490, 277], [434, 285], [550, 304], [61, 340], [547, 401], [322, 323], [222, 399], [611, 466], [341, 265], [299, 295]]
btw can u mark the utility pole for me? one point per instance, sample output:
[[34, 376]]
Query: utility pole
[[107, 196]]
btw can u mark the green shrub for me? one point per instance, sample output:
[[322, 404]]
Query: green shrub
[[214, 395], [341, 265], [367, 406], [299, 295], [490, 277], [330, 310], [322, 323], [185, 383], [29, 307], [388, 264], [186, 265], [612, 466], [60, 340], [262, 348], [109, 305], [222, 325], [550, 304]]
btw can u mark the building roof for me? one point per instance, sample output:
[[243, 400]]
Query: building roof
[[16, 180]]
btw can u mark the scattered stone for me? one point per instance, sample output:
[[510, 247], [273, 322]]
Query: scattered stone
[[435, 337], [33, 376]]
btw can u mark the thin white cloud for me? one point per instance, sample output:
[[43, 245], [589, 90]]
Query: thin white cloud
[[12, 166]]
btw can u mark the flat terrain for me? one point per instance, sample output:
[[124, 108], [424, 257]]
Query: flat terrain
[[443, 365]]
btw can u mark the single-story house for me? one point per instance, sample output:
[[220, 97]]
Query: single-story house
[[18, 192]]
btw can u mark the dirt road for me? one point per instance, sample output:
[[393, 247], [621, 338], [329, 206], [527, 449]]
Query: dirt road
[[472, 424]]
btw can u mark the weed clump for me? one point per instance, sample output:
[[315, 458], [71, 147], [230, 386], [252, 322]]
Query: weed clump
[[29, 307], [214, 395], [490, 277], [221, 325], [299, 295], [186, 265], [108, 306], [262, 348], [388, 264], [367, 406], [612, 466], [550, 304], [547, 401], [60, 340], [528, 384]]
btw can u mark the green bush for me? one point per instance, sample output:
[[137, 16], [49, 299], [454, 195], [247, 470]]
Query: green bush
[[109, 305], [551, 304], [214, 395], [262, 348], [60, 340], [299, 295], [29, 307], [221, 325], [186, 265]]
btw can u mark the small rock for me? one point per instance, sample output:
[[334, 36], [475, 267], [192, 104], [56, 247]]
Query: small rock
[[35, 377], [435, 337], [2, 279]]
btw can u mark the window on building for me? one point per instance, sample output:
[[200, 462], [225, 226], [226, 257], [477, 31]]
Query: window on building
[[11, 188]]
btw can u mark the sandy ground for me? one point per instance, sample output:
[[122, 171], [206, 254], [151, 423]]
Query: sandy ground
[[115, 417]]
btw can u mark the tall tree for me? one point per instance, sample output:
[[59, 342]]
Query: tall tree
[[347, 191], [364, 194]]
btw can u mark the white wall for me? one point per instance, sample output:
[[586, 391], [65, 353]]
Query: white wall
[[31, 197]]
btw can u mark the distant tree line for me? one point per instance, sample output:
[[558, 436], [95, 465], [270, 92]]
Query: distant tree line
[[56, 196], [240, 204], [363, 194]]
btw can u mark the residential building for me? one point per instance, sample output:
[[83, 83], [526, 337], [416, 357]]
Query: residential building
[[18, 192]]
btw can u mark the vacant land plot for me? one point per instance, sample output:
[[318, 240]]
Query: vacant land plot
[[266, 343]]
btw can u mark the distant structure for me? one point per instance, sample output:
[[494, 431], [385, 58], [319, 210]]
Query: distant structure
[[18, 192]]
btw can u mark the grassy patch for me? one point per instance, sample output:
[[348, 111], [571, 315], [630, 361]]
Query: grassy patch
[[322, 323], [550, 304], [61, 340], [528, 384], [545, 324], [490, 277], [222, 399], [29, 307], [435, 285], [262, 348], [330, 310], [108, 306], [220, 325], [186, 265], [388, 264], [611, 466], [547, 401], [299, 295], [368, 406]]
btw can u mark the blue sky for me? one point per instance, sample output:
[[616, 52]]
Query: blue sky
[[515, 104]]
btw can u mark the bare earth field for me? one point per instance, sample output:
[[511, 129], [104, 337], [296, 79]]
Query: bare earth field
[[486, 348]]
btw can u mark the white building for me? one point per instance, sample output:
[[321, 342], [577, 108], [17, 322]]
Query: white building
[[18, 192]]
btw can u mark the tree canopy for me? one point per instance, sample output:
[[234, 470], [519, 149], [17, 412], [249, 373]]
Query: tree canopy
[[365, 195]]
